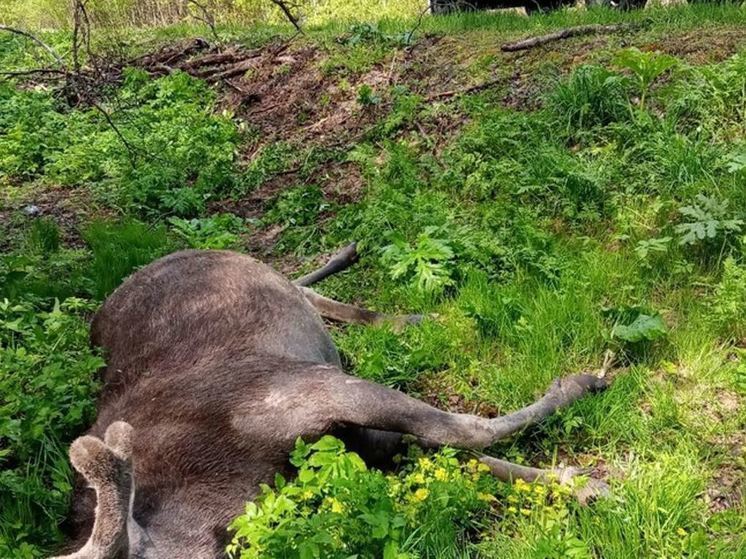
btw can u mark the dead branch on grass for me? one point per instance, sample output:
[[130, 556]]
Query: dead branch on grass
[[594, 29]]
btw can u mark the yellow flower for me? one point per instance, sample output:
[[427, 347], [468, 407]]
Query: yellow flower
[[486, 497], [441, 474], [418, 478], [483, 468], [521, 485], [421, 494], [681, 532], [425, 463], [512, 510], [337, 507], [512, 499], [306, 495], [525, 512]]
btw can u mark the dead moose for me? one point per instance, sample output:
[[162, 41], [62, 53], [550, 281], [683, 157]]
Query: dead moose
[[216, 365]]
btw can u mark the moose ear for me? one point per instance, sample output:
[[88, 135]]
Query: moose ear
[[107, 467]]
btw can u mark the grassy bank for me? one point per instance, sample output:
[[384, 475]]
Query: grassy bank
[[591, 199]]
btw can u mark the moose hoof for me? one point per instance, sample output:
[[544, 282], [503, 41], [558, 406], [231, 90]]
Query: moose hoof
[[93, 459], [118, 438]]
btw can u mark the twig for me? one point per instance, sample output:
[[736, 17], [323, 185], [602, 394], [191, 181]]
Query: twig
[[288, 14], [231, 72], [38, 41], [34, 71], [131, 149], [418, 23], [454, 92], [206, 18], [594, 29]]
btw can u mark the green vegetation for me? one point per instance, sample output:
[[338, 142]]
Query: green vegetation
[[592, 201], [337, 507]]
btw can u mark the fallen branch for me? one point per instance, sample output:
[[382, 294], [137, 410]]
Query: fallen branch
[[462, 91], [212, 59], [594, 29], [34, 72], [38, 41], [237, 69]]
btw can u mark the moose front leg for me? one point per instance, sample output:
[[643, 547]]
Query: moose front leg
[[509, 472], [358, 402], [107, 467]]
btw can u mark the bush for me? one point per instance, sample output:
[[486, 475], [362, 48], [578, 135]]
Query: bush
[[47, 382], [338, 508], [177, 153]]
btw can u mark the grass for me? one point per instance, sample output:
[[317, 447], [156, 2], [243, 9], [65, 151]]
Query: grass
[[537, 237]]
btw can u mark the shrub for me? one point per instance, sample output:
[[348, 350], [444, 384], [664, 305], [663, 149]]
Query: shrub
[[47, 382], [175, 154], [338, 508], [30, 130]]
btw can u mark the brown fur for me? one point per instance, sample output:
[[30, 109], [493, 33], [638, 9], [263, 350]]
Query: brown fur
[[218, 364]]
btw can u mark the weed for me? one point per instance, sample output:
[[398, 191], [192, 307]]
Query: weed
[[337, 506], [367, 97], [646, 67], [427, 262], [219, 231], [119, 249], [591, 97], [47, 378]]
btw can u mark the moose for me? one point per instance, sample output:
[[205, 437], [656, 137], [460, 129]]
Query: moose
[[216, 364]]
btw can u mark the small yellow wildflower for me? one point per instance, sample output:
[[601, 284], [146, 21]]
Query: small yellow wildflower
[[512, 510], [483, 468], [486, 497], [337, 507], [525, 512], [418, 478], [681, 532], [425, 463], [512, 499], [441, 474], [306, 495], [521, 485], [421, 494]]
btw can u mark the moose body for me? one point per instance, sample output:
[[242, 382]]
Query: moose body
[[216, 364]]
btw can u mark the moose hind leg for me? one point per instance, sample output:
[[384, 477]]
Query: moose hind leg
[[357, 402], [342, 312]]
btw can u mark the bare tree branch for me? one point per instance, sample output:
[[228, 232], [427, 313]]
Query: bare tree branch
[[207, 18], [288, 14], [38, 41]]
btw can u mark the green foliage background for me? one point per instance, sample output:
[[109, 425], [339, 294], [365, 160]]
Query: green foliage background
[[609, 215]]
